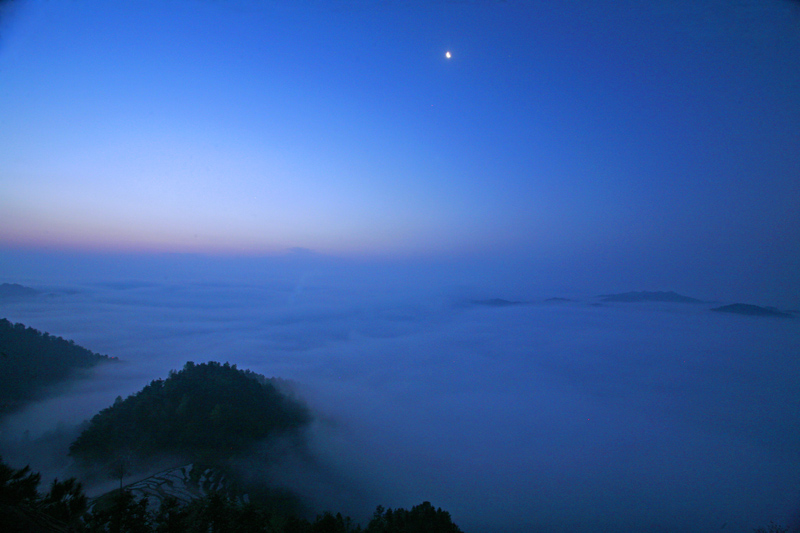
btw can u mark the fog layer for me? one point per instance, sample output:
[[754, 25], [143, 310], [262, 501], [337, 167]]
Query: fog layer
[[552, 416]]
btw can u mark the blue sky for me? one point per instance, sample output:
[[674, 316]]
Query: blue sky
[[653, 134]]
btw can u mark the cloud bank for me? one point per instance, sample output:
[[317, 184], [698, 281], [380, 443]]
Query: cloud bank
[[553, 416]]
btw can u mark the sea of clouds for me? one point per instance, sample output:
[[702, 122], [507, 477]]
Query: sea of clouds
[[543, 416]]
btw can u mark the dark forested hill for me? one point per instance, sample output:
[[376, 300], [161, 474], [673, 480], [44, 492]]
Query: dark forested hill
[[204, 412], [32, 360]]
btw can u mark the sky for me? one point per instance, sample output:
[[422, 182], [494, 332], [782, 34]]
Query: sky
[[653, 144]]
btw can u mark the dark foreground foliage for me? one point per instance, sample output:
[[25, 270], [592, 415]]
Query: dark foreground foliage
[[206, 412], [33, 360], [24, 509], [423, 518], [64, 509]]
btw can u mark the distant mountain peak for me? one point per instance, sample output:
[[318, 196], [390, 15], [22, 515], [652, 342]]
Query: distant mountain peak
[[751, 310], [495, 302], [648, 296], [15, 290]]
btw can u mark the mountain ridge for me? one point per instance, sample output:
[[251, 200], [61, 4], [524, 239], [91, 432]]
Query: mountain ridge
[[648, 296]]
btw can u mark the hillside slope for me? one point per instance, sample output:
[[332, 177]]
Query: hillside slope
[[33, 360]]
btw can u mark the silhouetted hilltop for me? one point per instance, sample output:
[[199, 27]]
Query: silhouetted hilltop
[[558, 299], [33, 360], [751, 310], [206, 412], [647, 296], [15, 290]]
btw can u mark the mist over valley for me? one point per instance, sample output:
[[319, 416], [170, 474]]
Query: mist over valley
[[513, 413]]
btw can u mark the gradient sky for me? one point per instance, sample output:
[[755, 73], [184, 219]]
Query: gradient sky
[[647, 133]]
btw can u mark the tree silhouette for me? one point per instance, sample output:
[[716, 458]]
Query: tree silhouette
[[66, 501]]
